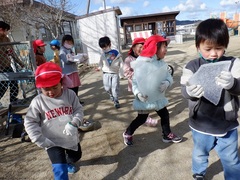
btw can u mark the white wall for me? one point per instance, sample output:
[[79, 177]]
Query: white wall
[[94, 27]]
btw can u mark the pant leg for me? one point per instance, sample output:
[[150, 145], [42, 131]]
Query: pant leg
[[74, 156], [115, 86], [165, 123], [138, 121], [203, 144], [227, 149], [57, 156], [60, 171], [107, 83]]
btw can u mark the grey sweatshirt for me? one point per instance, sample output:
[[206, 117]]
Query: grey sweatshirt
[[46, 118]]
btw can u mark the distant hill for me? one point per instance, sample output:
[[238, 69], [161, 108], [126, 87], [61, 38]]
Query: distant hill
[[185, 22]]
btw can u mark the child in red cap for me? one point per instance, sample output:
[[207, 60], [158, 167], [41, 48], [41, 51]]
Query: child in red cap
[[133, 53], [53, 118], [150, 81], [39, 49]]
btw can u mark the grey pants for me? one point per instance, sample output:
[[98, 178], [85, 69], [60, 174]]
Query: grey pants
[[111, 84]]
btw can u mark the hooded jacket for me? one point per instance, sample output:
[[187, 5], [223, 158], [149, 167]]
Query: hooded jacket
[[206, 117]]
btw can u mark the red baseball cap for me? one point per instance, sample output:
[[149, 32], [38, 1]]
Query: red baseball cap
[[139, 40], [38, 43], [48, 74], [150, 45]]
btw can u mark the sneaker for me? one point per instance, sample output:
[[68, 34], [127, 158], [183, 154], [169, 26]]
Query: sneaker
[[171, 138], [128, 139], [198, 177], [116, 104], [111, 98], [87, 125], [72, 169]]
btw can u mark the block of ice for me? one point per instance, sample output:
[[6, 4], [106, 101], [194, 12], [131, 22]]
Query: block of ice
[[205, 76], [56, 135], [145, 74]]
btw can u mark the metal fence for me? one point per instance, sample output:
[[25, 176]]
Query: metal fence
[[17, 84], [17, 68]]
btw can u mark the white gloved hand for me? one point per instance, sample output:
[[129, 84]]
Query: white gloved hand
[[194, 90], [225, 80], [70, 129], [142, 97], [163, 86]]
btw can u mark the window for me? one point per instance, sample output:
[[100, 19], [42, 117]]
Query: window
[[138, 27], [66, 28], [128, 30]]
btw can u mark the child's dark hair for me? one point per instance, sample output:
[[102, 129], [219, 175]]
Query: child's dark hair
[[213, 30], [159, 44], [4, 25], [67, 38], [104, 42]]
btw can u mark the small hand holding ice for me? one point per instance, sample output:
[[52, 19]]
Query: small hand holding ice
[[70, 129], [225, 80], [141, 97], [163, 86], [194, 90]]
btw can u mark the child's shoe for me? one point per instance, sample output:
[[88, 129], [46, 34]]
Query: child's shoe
[[171, 138], [116, 104], [111, 98], [198, 177], [72, 169], [128, 139], [87, 125]]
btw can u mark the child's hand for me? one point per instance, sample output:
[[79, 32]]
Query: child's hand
[[142, 97], [70, 129], [194, 90], [163, 86], [225, 80]]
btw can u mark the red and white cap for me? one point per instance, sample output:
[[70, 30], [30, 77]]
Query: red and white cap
[[38, 43], [139, 40], [47, 75], [150, 45]]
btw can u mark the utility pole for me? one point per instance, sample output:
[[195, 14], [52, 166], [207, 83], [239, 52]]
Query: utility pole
[[104, 5], [88, 5]]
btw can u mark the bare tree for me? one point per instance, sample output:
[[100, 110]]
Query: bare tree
[[43, 13], [10, 11]]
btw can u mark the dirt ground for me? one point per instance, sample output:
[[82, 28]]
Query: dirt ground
[[104, 154]]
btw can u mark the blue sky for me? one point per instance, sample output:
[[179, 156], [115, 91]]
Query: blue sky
[[189, 9]]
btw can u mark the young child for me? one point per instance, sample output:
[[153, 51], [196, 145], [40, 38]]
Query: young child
[[150, 81], [55, 46], [39, 49], [213, 126], [133, 53], [69, 66], [7, 54], [110, 63], [53, 118]]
